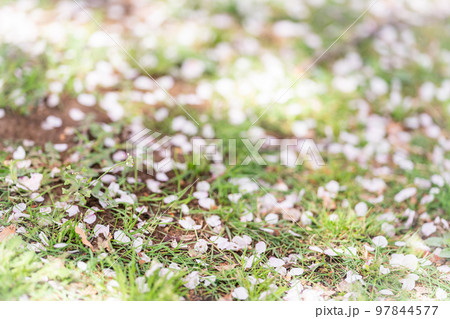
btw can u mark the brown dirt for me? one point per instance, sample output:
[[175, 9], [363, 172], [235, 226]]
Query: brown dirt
[[16, 127]]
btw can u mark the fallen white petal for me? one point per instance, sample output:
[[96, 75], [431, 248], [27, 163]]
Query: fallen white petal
[[240, 293], [380, 241]]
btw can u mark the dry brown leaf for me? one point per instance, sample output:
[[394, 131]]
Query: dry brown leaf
[[89, 291], [226, 298], [104, 243], [7, 233], [329, 203], [187, 237], [84, 240], [193, 253], [225, 267]]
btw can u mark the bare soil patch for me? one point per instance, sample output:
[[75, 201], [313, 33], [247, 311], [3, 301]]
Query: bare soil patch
[[16, 127]]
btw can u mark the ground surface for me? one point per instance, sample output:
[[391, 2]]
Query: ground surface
[[82, 219]]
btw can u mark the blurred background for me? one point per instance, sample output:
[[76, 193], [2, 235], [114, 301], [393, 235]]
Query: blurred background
[[229, 59], [345, 71]]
